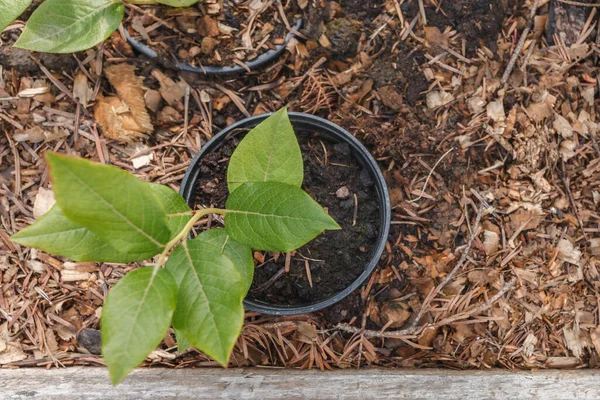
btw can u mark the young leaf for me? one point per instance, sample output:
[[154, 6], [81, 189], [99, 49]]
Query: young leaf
[[209, 313], [177, 210], [177, 3], [182, 343], [274, 216], [239, 254], [119, 208], [10, 10], [135, 318], [269, 152], [56, 234], [67, 26]]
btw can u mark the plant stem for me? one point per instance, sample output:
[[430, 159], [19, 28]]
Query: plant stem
[[186, 229]]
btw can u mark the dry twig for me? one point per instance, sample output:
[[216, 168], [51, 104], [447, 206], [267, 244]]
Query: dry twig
[[520, 44]]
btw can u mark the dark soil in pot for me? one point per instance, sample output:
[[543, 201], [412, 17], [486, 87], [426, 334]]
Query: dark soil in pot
[[334, 259]]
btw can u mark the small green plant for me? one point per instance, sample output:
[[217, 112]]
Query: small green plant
[[67, 26], [104, 214]]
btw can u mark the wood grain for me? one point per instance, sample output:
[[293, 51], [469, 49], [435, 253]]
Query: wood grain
[[271, 384]]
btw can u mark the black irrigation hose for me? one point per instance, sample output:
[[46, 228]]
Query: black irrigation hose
[[254, 64]]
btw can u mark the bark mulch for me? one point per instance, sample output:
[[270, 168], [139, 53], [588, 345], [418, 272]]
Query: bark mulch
[[483, 123]]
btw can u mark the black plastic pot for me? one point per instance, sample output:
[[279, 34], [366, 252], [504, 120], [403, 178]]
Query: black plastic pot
[[331, 132], [265, 58]]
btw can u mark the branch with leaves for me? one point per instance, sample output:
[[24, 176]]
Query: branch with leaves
[[104, 214]]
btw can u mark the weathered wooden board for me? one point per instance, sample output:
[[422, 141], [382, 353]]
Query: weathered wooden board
[[270, 384]]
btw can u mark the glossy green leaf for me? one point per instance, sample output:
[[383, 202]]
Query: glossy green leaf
[[177, 3], [119, 208], [67, 26], [209, 313], [177, 210], [239, 254], [135, 318], [269, 152], [10, 10], [274, 216], [182, 343]]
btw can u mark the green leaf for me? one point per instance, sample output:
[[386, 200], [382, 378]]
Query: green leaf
[[177, 210], [67, 26], [239, 254], [274, 216], [182, 343], [177, 3], [135, 318], [209, 313], [56, 234], [269, 152], [119, 208], [10, 10]]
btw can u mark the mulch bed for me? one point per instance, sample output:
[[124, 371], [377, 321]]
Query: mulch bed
[[493, 168], [214, 33]]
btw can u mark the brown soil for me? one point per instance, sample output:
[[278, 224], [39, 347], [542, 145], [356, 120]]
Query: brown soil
[[367, 9], [479, 21], [335, 258], [401, 73], [21, 60]]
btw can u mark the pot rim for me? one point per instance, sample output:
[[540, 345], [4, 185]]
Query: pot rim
[[210, 70], [366, 160]]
